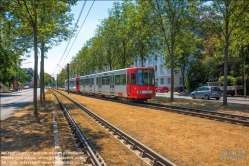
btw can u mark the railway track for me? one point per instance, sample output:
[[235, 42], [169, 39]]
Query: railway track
[[91, 158], [144, 151], [212, 115], [223, 117]]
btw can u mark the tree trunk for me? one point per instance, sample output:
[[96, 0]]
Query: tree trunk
[[40, 84], [35, 65], [183, 75], [172, 70], [172, 78], [225, 73], [124, 55], [226, 57], [245, 76], [42, 73]]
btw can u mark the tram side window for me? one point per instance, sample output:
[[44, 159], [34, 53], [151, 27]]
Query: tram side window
[[87, 81], [82, 82], [107, 80], [91, 82], [103, 80], [99, 81], [122, 79], [117, 78], [133, 79]]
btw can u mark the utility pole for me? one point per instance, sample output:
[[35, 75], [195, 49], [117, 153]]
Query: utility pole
[[245, 76], [53, 82], [68, 78], [57, 81]]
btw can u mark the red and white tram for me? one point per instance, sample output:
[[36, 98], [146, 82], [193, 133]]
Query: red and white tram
[[135, 84]]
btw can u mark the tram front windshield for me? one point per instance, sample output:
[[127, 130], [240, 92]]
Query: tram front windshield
[[145, 77]]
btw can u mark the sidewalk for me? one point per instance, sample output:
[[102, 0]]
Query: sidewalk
[[188, 96], [28, 140]]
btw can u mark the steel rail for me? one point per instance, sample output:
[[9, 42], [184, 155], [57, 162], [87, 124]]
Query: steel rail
[[205, 111], [202, 113], [156, 159], [82, 138]]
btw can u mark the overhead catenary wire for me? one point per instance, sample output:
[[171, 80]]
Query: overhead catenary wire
[[75, 26], [79, 31]]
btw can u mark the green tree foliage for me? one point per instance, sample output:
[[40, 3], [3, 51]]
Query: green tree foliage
[[54, 26], [122, 14], [14, 43], [47, 79], [226, 20], [62, 77], [144, 40], [194, 37], [173, 19], [35, 22]]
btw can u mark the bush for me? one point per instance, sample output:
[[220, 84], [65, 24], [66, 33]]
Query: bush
[[230, 80], [191, 84], [238, 81]]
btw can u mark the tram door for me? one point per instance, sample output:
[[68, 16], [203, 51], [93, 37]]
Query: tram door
[[133, 84], [99, 83], [77, 84], [131, 87], [112, 83]]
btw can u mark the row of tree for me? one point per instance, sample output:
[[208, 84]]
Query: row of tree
[[204, 39], [27, 25], [208, 39]]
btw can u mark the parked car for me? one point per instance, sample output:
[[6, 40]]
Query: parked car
[[162, 89], [207, 92], [26, 87]]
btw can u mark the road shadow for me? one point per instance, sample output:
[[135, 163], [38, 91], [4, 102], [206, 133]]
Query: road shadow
[[16, 105], [9, 95]]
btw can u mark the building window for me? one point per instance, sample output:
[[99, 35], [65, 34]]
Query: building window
[[155, 58], [149, 61], [161, 81], [155, 67], [161, 67], [168, 80], [180, 80]]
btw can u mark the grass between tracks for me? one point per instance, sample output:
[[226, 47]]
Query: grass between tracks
[[185, 140]]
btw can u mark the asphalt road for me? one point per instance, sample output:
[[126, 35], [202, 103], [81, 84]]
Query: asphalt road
[[230, 99], [12, 102]]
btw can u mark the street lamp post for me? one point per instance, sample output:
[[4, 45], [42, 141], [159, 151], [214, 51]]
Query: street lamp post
[[245, 77], [68, 78]]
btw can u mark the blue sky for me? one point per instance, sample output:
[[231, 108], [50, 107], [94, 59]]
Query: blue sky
[[98, 12]]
